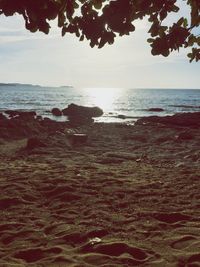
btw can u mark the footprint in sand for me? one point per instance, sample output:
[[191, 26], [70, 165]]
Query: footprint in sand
[[76, 238], [194, 260], [116, 251], [183, 242], [36, 254], [6, 203], [171, 218]]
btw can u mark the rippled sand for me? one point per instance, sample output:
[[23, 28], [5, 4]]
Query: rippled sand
[[127, 197]]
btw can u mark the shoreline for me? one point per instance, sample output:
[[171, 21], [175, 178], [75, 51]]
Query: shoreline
[[127, 196], [105, 118]]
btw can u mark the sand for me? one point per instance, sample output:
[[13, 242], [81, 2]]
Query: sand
[[129, 196]]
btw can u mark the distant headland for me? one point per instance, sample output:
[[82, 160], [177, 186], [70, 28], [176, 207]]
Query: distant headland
[[34, 85]]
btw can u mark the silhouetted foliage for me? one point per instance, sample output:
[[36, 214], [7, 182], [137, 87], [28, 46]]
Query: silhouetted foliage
[[100, 21]]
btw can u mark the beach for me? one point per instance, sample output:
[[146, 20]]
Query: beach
[[126, 196]]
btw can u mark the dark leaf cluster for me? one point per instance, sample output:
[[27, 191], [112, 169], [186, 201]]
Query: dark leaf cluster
[[101, 21]]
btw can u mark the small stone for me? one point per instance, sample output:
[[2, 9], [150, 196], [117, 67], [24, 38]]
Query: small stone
[[95, 240], [123, 117], [78, 138]]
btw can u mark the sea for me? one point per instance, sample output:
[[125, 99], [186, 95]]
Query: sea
[[132, 103]]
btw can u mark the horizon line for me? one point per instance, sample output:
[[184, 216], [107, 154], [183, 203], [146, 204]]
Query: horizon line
[[96, 87]]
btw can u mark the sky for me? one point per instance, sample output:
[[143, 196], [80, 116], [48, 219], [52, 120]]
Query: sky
[[52, 60]]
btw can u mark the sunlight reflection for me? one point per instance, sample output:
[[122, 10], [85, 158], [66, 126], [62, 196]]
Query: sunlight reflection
[[104, 98]]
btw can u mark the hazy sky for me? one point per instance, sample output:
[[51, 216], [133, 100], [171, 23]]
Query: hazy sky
[[53, 60]]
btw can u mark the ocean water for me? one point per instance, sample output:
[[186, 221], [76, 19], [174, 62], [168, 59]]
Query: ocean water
[[133, 103]]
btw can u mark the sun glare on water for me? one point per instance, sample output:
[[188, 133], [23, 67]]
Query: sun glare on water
[[104, 98]]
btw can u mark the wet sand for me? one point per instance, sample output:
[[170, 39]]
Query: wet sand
[[129, 196]]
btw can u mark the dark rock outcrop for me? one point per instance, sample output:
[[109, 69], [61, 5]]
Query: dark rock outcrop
[[76, 110], [78, 115], [56, 112], [27, 113], [179, 119], [120, 116], [27, 126], [16, 113], [12, 113]]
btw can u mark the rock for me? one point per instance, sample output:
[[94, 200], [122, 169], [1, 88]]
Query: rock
[[16, 113], [39, 118], [89, 112], [48, 120], [2, 117], [179, 119], [56, 112], [95, 240], [12, 113], [34, 142], [186, 119], [123, 117], [156, 109], [69, 131], [27, 113], [76, 138], [78, 115]]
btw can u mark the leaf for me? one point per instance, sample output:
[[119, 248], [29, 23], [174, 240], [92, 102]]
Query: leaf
[[61, 19], [97, 4], [64, 30], [165, 53], [163, 14], [102, 43], [96, 19], [175, 8], [150, 40], [180, 21], [82, 37], [185, 23]]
